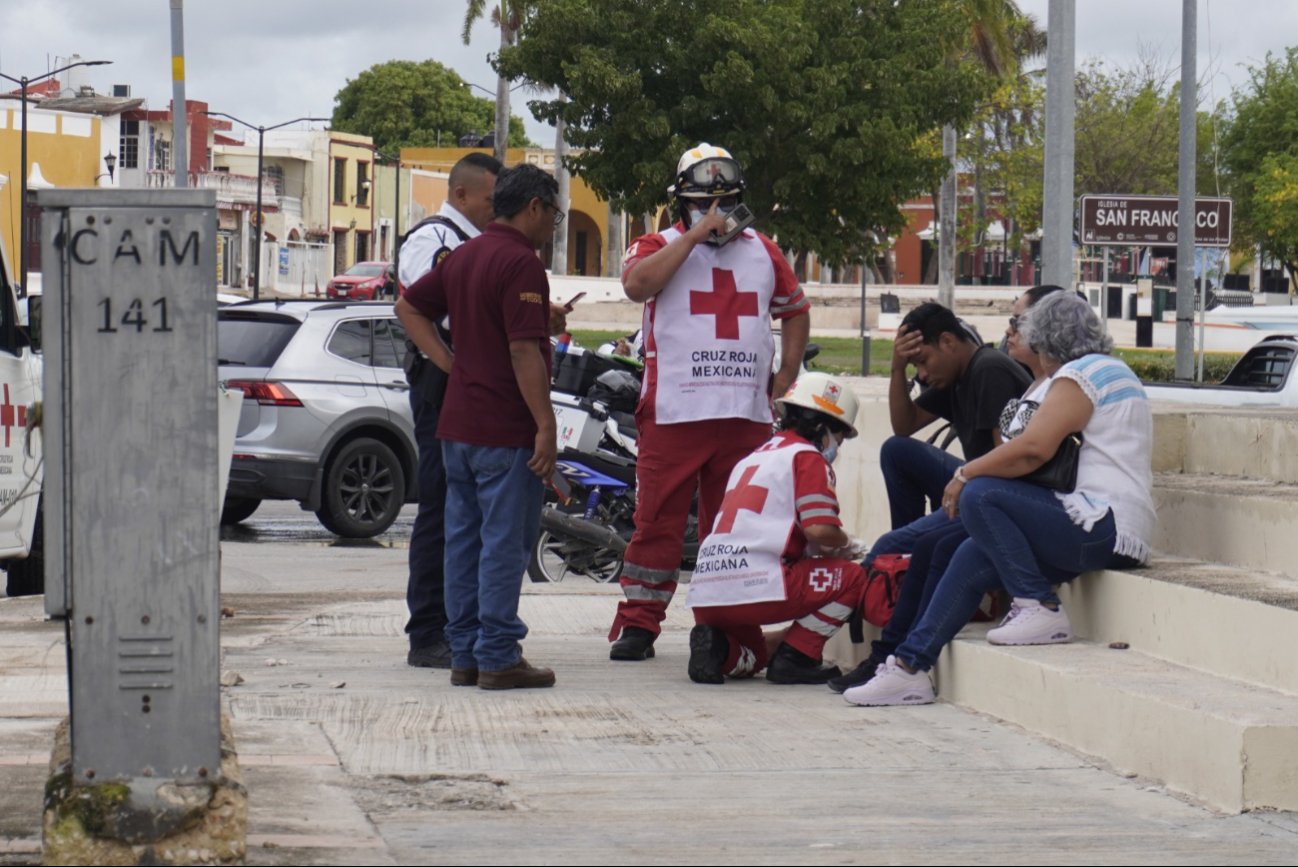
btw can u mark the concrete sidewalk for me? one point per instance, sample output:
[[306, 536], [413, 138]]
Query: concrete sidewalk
[[351, 757]]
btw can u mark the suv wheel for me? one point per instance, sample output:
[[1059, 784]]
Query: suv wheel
[[364, 489]]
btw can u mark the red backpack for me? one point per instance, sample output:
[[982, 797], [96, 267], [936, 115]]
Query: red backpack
[[882, 587]]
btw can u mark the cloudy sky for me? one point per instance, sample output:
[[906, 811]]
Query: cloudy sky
[[273, 60]]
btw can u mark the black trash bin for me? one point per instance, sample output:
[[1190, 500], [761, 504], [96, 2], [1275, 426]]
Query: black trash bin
[[1113, 302], [1144, 331], [889, 303]]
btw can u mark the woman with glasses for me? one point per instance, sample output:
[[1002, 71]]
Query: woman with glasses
[[1024, 537]]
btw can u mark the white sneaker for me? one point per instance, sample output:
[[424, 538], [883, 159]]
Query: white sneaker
[[892, 685], [1030, 622]]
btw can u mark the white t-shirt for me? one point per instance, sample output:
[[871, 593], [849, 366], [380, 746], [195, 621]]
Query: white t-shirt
[[426, 247]]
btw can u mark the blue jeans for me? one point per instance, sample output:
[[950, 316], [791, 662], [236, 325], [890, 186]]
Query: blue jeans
[[1021, 539], [428, 537], [493, 516], [915, 474], [932, 542]]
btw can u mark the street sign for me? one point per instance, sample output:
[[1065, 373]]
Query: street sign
[[1138, 221]]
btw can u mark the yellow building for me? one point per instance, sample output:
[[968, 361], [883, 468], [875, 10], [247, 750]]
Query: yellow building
[[64, 149], [351, 189], [586, 224]]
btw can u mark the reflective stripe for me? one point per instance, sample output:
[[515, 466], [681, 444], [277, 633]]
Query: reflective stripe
[[814, 624], [647, 594], [784, 308], [804, 514], [647, 575], [815, 498], [746, 664], [836, 611]]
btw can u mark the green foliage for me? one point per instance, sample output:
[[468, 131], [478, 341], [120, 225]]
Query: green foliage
[[1154, 365], [1260, 149], [824, 102], [402, 103]]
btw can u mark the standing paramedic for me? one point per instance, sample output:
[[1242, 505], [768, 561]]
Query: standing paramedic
[[705, 403], [497, 428], [464, 214]]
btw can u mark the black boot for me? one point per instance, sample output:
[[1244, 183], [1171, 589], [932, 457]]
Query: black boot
[[862, 674], [709, 648], [793, 666], [636, 644]]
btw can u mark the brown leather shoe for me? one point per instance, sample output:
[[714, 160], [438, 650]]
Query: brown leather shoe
[[464, 677], [522, 676]]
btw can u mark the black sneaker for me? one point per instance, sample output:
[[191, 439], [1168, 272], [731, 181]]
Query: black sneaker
[[433, 656], [636, 644], [862, 674], [709, 648], [793, 666]]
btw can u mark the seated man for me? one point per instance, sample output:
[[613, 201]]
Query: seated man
[[969, 384], [778, 551]]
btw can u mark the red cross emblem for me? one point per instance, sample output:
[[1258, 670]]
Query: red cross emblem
[[725, 302], [742, 496], [11, 415], [822, 579]]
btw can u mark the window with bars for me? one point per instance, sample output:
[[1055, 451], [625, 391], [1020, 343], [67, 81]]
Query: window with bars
[[128, 149], [340, 181]]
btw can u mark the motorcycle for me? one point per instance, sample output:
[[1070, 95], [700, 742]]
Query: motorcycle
[[588, 516]]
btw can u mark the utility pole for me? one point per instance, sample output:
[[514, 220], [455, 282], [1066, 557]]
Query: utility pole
[[179, 110], [1184, 369], [1057, 225]]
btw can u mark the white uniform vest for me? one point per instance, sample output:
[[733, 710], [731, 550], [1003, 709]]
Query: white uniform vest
[[740, 561], [709, 334]]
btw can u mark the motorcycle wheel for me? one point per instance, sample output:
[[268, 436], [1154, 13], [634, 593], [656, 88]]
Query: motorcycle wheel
[[554, 559]]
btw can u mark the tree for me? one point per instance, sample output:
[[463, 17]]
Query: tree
[[402, 103], [824, 102], [1260, 151], [508, 18]]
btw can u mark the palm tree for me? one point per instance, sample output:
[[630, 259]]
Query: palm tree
[[508, 18], [992, 28]]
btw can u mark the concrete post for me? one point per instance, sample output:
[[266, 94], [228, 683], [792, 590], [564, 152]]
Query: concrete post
[[1184, 369], [179, 111], [559, 260], [1057, 192], [946, 239]]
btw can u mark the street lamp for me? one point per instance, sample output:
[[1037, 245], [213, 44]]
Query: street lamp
[[110, 161], [261, 135], [22, 82]]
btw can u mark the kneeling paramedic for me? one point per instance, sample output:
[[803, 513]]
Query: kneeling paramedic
[[778, 551]]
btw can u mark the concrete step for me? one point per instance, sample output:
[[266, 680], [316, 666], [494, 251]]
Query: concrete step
[[1229, 622], [1227, 744], [1227, 519], [1255, 444]]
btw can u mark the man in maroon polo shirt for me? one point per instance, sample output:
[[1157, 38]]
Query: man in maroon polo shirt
[[497, 427]]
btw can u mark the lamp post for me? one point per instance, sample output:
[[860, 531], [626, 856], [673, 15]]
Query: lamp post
[[261, 137], [396, 216], [110, 161], [23, 82]]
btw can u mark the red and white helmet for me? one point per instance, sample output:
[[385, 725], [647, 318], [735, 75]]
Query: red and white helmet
[[822, 393], [707, 172]]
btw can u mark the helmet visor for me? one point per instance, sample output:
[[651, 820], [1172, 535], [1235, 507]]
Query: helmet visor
[[710, 177]]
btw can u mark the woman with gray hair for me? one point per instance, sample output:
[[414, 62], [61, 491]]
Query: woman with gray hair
[[1023, 537]]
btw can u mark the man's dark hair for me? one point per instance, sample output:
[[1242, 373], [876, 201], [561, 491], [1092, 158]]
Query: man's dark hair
[[1036, 293], [517, 186], [932, 320], [474, 163]]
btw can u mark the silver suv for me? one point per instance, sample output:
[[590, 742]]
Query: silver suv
[[326, 414]]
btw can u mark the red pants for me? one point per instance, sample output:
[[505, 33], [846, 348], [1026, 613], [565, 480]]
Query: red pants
[[675, 460], [821, 595]]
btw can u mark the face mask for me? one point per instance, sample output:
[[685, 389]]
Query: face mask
[[697, 214], [830, 451]]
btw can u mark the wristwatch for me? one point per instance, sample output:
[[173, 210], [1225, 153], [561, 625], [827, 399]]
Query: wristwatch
[[960, 476]]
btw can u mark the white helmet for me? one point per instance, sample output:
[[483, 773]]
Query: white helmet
[[824, 394], [707, 172]]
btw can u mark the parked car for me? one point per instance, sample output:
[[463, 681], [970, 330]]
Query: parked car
[[326, 415], [1264, 376], [364, 281]]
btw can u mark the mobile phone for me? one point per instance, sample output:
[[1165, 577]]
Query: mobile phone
[[736, 221], [573, 300]]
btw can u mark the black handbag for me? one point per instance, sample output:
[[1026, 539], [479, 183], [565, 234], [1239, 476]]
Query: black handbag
[[1060, 472]]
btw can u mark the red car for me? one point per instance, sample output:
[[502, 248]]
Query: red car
[[364, 281]]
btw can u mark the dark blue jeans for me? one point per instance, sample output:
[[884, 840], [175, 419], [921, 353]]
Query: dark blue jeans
[[424, 592], [931, 541], [915, 474], [493, 516], [1021, 539]]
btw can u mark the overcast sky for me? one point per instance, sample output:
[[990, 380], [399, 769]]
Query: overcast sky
[[272, 60]]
